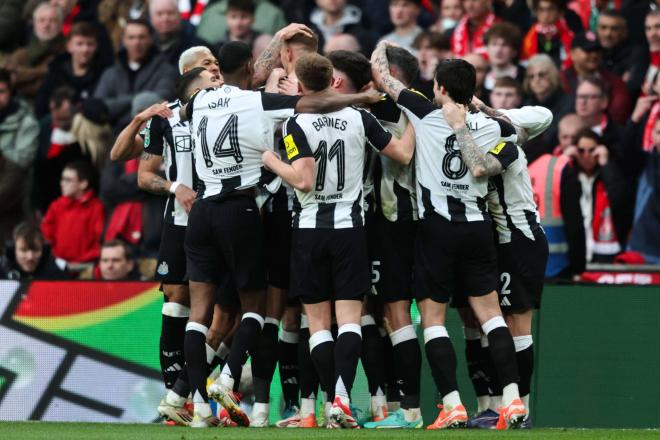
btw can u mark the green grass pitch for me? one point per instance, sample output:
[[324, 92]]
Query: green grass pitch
[[108, 431]]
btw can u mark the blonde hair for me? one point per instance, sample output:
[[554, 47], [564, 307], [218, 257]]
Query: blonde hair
[[545, 63], [94, 139]]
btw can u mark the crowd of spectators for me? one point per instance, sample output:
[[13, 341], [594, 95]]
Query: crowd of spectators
[[73, 72]]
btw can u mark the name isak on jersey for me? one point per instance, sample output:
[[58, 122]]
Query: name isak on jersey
[[227, 170], [222, 102]]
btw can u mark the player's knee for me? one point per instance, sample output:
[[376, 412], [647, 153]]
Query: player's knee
[[397, 314], [177, 293]]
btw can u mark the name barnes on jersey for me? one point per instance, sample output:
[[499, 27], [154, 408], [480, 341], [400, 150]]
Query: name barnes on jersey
[[324, 121]]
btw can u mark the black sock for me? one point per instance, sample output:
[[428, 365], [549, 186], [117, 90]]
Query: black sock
[[347, 355], [476, 358], [373, 357], [442, 359], [391, 375], [322, 352], [264, 361], [195, 351], [503, 353], [288, 367], [172, 334], [525, 360], [408, 365], [244, 342], [309, 379], [182, 386]]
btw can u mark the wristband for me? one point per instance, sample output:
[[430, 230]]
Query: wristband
[[174, 186]]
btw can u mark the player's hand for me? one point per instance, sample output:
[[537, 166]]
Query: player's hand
[[288, 32], [602, 155], [454, 114], [371, 96], [268, 158], [185, 196], [642, 107], [272, 83], [161, 109], [571, 152], [478, 103], [288, 86]]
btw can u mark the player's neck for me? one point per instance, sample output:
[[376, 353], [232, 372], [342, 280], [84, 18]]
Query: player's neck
[[237, 81]]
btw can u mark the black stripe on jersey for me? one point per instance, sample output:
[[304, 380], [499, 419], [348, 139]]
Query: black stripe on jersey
[[482, 205], [531, 221], [296, 212], [200, 188], [386, 110], [280, 200], [456, 209], [172, 172], [325, 216], [506, 128], [426, 200], [498, 181], [404, 207], [416, 102], [195, 178], [230, 184], [169, 209], [356, 212]]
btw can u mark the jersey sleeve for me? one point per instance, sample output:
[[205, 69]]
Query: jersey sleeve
[[295, 141], [153, 135], [377, 136], [278, 107], [413, 102], [505, 152]]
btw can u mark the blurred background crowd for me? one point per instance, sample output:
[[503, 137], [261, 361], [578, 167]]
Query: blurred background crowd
[[74, 72]]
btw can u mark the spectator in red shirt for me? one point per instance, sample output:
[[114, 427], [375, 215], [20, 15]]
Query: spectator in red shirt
[[74, 222], [587, 55], [468, 35]]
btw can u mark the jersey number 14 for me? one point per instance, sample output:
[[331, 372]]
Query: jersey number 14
[[230, 130]]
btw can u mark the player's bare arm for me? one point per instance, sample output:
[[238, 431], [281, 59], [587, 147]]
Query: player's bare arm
[[129, 144], [329, 101], [521, 133], [380, 68], [299, 174], [149, 180], [401, 150], [480, 164], [268, 58]]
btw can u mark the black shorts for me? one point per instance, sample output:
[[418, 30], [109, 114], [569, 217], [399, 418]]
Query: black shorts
[[277, 233], [225, 237], [454, 259], [329, 264], [171, 267], [522, 271], [392, 253]]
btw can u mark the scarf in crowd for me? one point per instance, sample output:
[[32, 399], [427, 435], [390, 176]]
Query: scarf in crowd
[[589, 10], [68, 21], [194, 15], [604, 235], [647, 140], [126, 220], [59, 141], [462, 43], [560, 29]]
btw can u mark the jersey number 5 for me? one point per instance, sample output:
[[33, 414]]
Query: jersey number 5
[[453, 159], [230, 130], [322, 156]]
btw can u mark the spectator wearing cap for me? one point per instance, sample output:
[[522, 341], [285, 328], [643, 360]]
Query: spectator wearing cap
[[74, 222], [550, 34], [18, 144], [139, 68], [404, 14], [468, 35], [542, 86], [29, 64], [607, 198], [173, 35], [586, 55], [502, 43], [335, 17], [620, 56], [79, 68], [29, 257], [268, 19]]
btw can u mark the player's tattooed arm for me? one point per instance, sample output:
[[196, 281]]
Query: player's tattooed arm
[[148, 179], [479, 163], [380, 68], [521, 133], [129, 144], [268, 58]]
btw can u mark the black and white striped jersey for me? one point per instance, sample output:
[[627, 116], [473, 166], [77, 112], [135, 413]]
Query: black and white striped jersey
[[231, 128], [282, 200], [395, 193], [510, 197], [170, 138], [337, 141], [444, 184]]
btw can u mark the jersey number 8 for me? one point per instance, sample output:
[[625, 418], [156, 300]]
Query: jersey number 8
[[230, 130], [453, 158]]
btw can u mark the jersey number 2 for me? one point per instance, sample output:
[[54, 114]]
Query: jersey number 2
[[230, 130], [322, 156], [452, 158]]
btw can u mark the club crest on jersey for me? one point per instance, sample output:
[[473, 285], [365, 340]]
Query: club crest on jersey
[[290, 147], [163, 269], [498, 148], [182, 144]]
